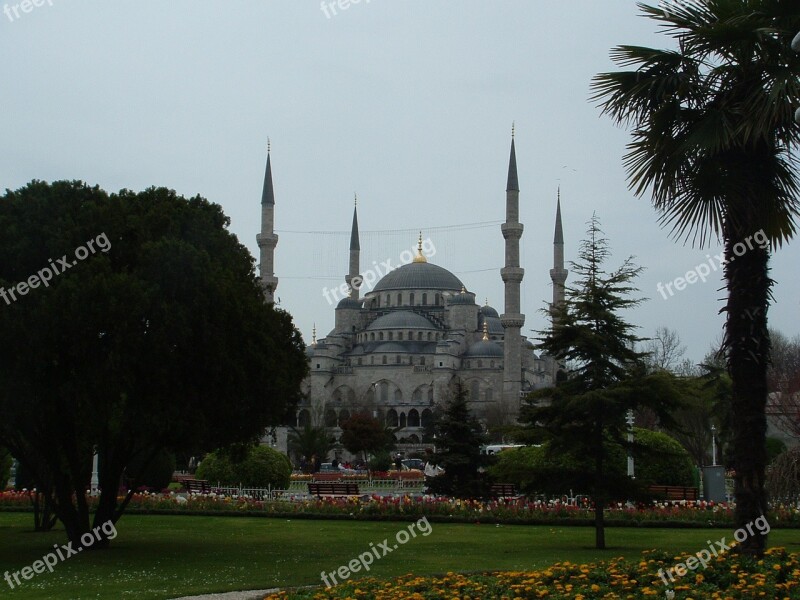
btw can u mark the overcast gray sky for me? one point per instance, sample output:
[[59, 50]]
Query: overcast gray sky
[[407, 102]]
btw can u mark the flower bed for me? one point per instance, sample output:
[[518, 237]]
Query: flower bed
[[729, 576], [436, 508]]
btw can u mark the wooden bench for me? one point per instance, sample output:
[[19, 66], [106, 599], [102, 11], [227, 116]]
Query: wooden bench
[[197, 486], [673, 492], [503, 490], [333, 488]]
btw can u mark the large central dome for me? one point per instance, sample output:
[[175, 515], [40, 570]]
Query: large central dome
[[419, 276]]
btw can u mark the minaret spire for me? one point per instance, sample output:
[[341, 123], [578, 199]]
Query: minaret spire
[[267, 240], [512, 274], [558, 274], [353, 278]]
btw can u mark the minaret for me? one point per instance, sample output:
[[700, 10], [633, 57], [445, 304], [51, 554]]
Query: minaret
[[512, 319], [353, 278], [558, 274], [267, 240]]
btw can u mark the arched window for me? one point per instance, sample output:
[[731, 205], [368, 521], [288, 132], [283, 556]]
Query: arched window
[[475, 391], [388, 299], [330, 418], [411, 298], [424, 299], [372, 337], [419, 336], [399, 299], [303, 418], [436, 299], [391, 418], [383, 359], [372, 360], [403, 422], [376, 303], [488, 394], [491, 364], [427, 418], [360, 362], [391, 336], [380, 336], [413, 418], [430, 336], [398, 397], [400, 335], [416, 397], [398, 358], [422, 360], [480, 364], [384, 387]]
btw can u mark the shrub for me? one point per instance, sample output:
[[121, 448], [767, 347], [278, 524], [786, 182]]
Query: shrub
[[380, 462], [5, 468], [260, 466], [662, 460], [158, 473]]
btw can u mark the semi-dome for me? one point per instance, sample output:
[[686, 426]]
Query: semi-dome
[[484, 349], [390, 347], [349, 303], [401, 319], [419, 276]]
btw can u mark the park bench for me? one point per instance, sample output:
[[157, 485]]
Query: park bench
[[503, 490], [673, 492], [197, 486], [333, 488]]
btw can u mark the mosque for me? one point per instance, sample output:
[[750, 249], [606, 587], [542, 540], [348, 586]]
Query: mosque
[[397, 351]]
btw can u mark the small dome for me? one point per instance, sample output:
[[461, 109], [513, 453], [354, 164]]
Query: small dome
[[484, 349], [349, 303], [488, 311], [401, 319], [494, 324], [462, 298]]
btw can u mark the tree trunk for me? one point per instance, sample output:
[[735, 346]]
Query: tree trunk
[[599, 496], [747, 343]]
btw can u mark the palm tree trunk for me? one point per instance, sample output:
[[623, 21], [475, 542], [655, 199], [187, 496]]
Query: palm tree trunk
[[747, 343]]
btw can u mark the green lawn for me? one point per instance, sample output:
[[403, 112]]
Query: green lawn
[[166, 557]]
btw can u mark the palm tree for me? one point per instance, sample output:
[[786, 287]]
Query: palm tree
[[712, 142]]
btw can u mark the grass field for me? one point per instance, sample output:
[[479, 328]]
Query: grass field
[[158, 557]]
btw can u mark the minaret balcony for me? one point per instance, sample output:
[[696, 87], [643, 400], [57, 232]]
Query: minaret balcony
[[512, 320], [514, 274], [512, 231]]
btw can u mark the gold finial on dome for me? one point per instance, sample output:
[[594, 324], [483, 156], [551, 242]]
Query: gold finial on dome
[[485, 331], [463, 290], [314, 335], [420, 257], [487, 301]]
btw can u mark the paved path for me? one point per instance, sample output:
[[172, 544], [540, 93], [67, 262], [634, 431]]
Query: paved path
[[251, 595]]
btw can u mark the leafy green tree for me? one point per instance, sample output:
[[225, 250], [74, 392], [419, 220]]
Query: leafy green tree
[[459, 438], [714, 144], [659, 459], [257, 466], [156, 475], [605, 376], [364, 434], [310, 441], [156, 338]]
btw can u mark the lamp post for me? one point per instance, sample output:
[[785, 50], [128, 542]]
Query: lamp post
[[713, 446], [629, 421], [95, 474]]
